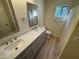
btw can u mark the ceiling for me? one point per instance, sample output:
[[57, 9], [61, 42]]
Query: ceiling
[[71, 3]]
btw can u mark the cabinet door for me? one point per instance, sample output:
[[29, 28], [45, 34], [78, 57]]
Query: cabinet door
[[36, 45], [41, 40], [26, 54]]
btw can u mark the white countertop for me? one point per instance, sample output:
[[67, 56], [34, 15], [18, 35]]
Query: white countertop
[[28, 38]]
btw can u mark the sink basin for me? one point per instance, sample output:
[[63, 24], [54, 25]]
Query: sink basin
[[12, 48], [18, 44]]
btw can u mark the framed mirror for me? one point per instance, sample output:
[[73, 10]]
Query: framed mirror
[[32, 11], [8, 22]]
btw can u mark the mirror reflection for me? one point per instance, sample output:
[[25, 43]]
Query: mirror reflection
[[8, 23]]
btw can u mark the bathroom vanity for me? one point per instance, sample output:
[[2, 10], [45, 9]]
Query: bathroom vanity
[[25, 46]]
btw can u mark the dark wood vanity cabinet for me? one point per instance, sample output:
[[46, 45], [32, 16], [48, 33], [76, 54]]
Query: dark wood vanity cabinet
[[32, 49], [37, 44]]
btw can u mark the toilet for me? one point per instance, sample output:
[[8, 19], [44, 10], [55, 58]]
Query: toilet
[[48, 34]]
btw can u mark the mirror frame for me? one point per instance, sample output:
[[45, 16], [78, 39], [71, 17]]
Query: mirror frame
[[33, 20]]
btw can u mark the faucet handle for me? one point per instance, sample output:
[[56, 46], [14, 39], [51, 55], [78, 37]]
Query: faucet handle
[[11, 40], [6, 43], [16, 38]]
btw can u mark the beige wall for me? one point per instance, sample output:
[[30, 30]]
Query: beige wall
[[66, 35], [54, 24], [20, 8], [71, 50]]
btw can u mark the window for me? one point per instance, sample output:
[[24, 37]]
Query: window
[[61, 11]]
